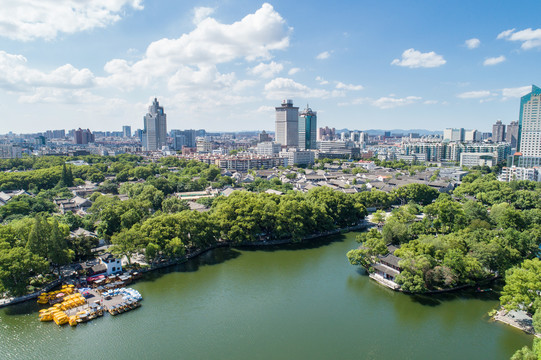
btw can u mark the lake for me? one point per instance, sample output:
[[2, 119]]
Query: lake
[[302, 301]]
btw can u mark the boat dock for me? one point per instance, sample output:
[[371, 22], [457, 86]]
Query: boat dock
[[93, 303]]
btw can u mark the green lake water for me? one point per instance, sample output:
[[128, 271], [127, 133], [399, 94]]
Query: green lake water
[[287, 302]]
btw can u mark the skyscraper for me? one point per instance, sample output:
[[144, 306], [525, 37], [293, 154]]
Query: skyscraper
[[126, 131], [529, 128], [307, 129], [498, 132], [155, 132], [287, 124], [511, 135]]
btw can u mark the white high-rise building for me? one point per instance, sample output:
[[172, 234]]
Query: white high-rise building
[[287, 124], [155, 132]]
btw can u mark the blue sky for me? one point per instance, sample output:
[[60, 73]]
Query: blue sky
[[224, 65]]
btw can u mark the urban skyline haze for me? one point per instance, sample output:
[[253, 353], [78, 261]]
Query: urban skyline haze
[[226, 65]]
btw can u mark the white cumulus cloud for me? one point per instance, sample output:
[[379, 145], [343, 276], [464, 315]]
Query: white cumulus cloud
[[324, 55], [528, 37], [293, 71], [494, 60], [387, 102], [415, 59], [201, 13], [342, 86], [210, 43], [392, 102], [284, 88], [475, 94], [472, 43], [15, 74], [516, 92], [321, 81], [267, 70], [32, 19]]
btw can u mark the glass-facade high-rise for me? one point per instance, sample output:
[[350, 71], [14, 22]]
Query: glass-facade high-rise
[[307, 129], [155, 132], [529, 129]]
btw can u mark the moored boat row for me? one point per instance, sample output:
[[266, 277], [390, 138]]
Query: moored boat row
[[88, 304]]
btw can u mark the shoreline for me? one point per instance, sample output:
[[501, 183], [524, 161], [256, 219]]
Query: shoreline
[[192, 255]]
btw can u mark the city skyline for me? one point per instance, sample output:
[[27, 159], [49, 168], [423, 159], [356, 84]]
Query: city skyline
[[223, 66]]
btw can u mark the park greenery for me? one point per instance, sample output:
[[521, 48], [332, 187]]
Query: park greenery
[[35, 237], [482, 230]]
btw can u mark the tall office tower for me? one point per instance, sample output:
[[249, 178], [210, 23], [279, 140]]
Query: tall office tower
[[529, 128], [307, 129], [498, 132], [126, 131], [511, 135], [154, 135], [287, 124], [82, 137]]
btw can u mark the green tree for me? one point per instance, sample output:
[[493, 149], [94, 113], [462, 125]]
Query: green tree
[[17, 265], [521, 284], [127, 242], [151, 252], [173, 205], [58, 252]]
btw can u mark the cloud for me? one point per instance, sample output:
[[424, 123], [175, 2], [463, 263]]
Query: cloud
[[475, 94], [494, 60], [321, 80], [201, 13], [60, 96], [253, 37], [342, 86], [204, 77], [489, 95], [16, 75], [324, 55], [387, 102], [265, 109], [515, 92], [267, 70], [472, 43], [284, 88], [392, 102], [293, 71], [415, 59], [530, 38], [32, 19]]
